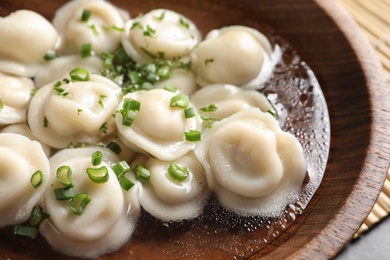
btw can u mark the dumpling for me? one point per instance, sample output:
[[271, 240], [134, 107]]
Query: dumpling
[[25, 38], [23, 129], [106, 222], [228, 99], [158, 128], [58, 67], [160, 32], [253, 166], [235, 55], [180, 79], [74, 111], [102, 28], [15, 96], [169, 199], [20, 158]]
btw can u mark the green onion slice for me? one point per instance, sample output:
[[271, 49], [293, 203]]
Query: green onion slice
[[86, 50], [121, 168], [125, 183], [113, 146], [36, 179], [85, 15], [78, 203], [142, 174], [26, 231], [169, 88], [193, 135], [79, 74], [177, 172], [131, 104], [50, 55], [128, 117], [97, 158], [1, 105], [64, 176], [189, 112], [98, 175], [180, 100], [37, 216], [64, 193]]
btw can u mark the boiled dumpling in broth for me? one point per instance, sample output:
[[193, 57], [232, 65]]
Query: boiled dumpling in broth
[[235, 55], [101, 27], [20, 159], [253, 166], [25, 38], [160, 33]]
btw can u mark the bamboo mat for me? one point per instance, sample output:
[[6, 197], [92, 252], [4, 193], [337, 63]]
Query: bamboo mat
[[373, 16]]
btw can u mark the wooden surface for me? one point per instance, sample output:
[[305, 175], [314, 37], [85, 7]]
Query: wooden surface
[[372, 17], [356, 91]]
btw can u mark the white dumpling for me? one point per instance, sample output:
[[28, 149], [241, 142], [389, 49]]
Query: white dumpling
[[23, 129], [159, 32], [253, 166], [58, 67], [169, 200], [102, 30], [75, 113], [107, 221], [235, 55], [228, 99], [20, 158], [180, 79], [25, 38], [15, 96], [158, 129]]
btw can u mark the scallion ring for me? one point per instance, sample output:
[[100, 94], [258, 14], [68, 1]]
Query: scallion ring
[[85, 15], [125, 183], [128, 117], [131, 104], [86, 50], [98, 175], [142, 174], [193, 135], [79, 74], [37, 216], [180, 100], [64, 193], [97, 158], [177, 172], [113, 146], [36, 179], [189, 112], [64, 176], [26, 231], [78, 203], [121, 168]]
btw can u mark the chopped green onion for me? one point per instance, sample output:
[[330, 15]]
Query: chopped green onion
[[192, 135], [97, 158], [64, 176], [184, 23], [161, 17], [98, 175], [36, 179], [32, 93], [26, 231], [85, 15], [78, 203], [149, 31], [131, 104], [103, 128], [79, 74], [177, 172], [37, 216], [210, 108], [45, 122], [128, 117], [64, 193], [125, 183], [86, 50], [208, 60], [169, 88], [142, 174], [1, 105], [50, 55], [189, 112], [102, 98], [116, 28], [121, 168], [180, 100], [113, 146], [79, 110]]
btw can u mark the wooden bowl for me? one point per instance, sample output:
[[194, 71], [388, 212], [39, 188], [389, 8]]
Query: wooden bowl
[[357, 98]]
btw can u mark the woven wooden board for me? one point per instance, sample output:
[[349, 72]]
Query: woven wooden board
[[373, 16]]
